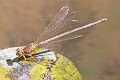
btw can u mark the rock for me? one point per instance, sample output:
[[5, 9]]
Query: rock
[[47, 66]]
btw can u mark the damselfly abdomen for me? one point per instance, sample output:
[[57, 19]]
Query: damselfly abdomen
[[54, 31]]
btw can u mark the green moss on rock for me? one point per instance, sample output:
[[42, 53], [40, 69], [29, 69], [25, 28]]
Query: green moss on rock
[[3, 73], [62, 69]]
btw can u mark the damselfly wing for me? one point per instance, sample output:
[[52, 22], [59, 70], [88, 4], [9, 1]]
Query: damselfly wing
[[56, 29]]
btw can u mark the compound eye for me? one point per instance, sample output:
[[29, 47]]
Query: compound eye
[[18, 51]]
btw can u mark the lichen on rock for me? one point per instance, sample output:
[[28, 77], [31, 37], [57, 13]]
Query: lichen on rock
[[48, 66]]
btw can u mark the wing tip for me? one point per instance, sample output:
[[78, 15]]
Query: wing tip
[[65, 7], [104, 19]]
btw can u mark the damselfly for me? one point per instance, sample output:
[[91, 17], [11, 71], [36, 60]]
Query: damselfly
[[52, 31]]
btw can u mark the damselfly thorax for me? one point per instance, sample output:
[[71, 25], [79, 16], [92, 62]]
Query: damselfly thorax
[[56, 26]]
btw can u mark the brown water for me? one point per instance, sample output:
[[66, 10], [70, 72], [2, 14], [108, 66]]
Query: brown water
[[96, 55]]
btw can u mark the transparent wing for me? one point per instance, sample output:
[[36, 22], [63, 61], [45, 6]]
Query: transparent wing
[[57, 44], [65, 26], [66, 39], [54, 24]]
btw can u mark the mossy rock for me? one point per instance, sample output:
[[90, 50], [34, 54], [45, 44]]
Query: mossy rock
[[61, 68], [3, 73]]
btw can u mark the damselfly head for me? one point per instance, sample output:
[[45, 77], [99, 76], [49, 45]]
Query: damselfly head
[[19, 52]]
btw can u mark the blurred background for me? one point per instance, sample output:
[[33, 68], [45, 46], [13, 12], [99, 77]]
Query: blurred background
[[96, 55]]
